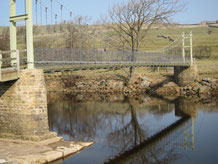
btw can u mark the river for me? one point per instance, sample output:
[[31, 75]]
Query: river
[[141, 129]]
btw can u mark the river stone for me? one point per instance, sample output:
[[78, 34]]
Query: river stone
[[113, 84], [204, 89], [206, 79], [80, 85], [145, 84], [170, 84], [145, 81], [3, 161]]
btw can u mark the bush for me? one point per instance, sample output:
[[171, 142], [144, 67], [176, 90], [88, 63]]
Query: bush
[[203, 52], [5, 40]]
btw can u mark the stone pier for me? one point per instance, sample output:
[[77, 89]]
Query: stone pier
[[24, 130], [185, 75], [23, 108]]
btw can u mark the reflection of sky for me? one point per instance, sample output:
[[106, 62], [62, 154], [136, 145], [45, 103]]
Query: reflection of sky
[[206, 141], [151, 120]]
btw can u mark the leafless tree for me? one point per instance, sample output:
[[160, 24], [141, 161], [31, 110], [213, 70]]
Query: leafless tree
[[131, 21], [77, 30]]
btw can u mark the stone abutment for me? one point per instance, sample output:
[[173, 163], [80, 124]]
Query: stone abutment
[[184, 76], [23, 107]]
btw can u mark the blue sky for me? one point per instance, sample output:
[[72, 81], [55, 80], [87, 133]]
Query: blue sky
[[195, 12]]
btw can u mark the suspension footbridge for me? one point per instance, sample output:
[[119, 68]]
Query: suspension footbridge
[[81, 48]]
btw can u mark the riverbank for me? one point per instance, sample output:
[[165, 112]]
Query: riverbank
[[28, 152], [113, 81]]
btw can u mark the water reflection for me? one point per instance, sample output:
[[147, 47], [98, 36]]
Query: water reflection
[[123, 128]]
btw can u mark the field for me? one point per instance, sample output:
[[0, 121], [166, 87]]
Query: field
[[205, 43]]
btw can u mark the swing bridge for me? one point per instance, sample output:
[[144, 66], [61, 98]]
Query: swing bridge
[[81, 49]]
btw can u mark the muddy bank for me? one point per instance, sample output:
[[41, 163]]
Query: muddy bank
[[139, 84]]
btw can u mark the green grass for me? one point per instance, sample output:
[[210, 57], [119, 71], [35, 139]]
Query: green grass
[[201, 38], [205, 42]]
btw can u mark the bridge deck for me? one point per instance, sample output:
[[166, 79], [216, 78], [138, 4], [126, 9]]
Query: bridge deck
[[100, 65], [8, 74]]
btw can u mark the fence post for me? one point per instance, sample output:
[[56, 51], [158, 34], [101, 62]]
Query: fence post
[[0, 66], [191, 49], [18, 62], [183, 46]]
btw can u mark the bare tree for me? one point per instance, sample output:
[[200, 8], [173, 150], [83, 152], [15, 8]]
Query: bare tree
[[77, 30], [132, 20]]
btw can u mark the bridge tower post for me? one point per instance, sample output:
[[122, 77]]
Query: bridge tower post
[[191, 49], [29, 34], [29, 31], [13, 34], [183, 46]]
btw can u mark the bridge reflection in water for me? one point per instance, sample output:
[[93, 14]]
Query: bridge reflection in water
[[125, 131]]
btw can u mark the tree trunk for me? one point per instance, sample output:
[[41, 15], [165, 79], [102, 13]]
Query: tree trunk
[[131, 70]]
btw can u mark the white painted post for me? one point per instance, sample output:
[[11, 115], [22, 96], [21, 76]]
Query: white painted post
[[183, 46], [191, 49], [13, 33], [29, 35], [18, 63], [0, 66]]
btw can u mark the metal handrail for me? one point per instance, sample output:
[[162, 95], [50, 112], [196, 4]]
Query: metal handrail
[[10, 59]]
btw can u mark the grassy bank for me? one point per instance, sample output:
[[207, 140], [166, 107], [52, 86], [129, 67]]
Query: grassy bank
[[205, 45]]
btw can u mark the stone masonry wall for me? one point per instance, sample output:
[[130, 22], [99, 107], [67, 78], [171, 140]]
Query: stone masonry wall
[[23, 108], [185, 75]]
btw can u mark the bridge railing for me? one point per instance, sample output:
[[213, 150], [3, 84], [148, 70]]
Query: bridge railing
[[11, 63], [77, 56], [97, 50]]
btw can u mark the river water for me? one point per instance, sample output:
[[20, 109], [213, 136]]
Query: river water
[[183, 130]]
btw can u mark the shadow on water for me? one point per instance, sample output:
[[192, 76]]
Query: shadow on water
[[126, 130]]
